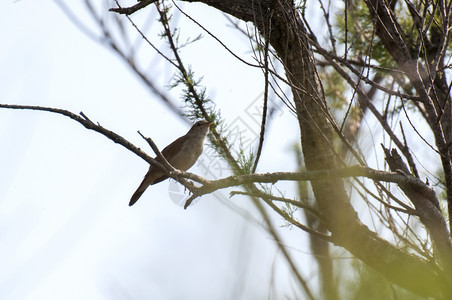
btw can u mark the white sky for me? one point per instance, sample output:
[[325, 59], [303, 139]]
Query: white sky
[[66, 231]]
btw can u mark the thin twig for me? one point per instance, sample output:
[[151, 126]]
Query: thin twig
[[264, 108]]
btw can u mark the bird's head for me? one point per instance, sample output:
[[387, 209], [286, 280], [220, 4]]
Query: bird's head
[[200, 128]]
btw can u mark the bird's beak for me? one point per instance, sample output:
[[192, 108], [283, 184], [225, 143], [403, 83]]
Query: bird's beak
[[209, 123]]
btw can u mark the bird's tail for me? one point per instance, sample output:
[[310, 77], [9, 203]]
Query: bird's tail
[[140, 190], [136, 196], [152, 177]]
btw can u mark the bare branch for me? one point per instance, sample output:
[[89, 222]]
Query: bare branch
[[293, 202], [354, 171], [157, 152], [88, 124], [264, 108], [427, 206], [130, 10]]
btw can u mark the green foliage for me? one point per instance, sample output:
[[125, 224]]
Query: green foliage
[[193, 95], [362, 41], [197, 104], [334, 88], [290, 210], [245, 160]]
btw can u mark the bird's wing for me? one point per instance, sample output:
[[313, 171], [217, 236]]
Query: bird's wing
[[154, 175], [173, 148]]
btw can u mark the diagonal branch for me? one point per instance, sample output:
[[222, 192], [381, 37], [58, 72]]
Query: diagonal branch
[[130, 10], [427, 207], [168, 168], [88, 124]]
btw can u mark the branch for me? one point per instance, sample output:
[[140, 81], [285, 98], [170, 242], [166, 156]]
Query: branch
[[110, 40], [166, 166], [130, 10], [294, 222], [283, 249], [198, 101], [264, 108], [88, 124], [330, 57], [266, 196], [427, 206], [354, 171]]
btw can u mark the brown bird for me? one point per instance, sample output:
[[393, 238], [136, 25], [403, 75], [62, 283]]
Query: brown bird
[[181, 154]]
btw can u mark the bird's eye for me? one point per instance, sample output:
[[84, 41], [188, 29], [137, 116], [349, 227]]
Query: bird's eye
[[198, 124]]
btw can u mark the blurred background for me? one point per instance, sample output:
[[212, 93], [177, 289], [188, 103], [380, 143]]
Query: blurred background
[[66, 231]]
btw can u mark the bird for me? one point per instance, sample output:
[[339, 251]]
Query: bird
[[182, 154]]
